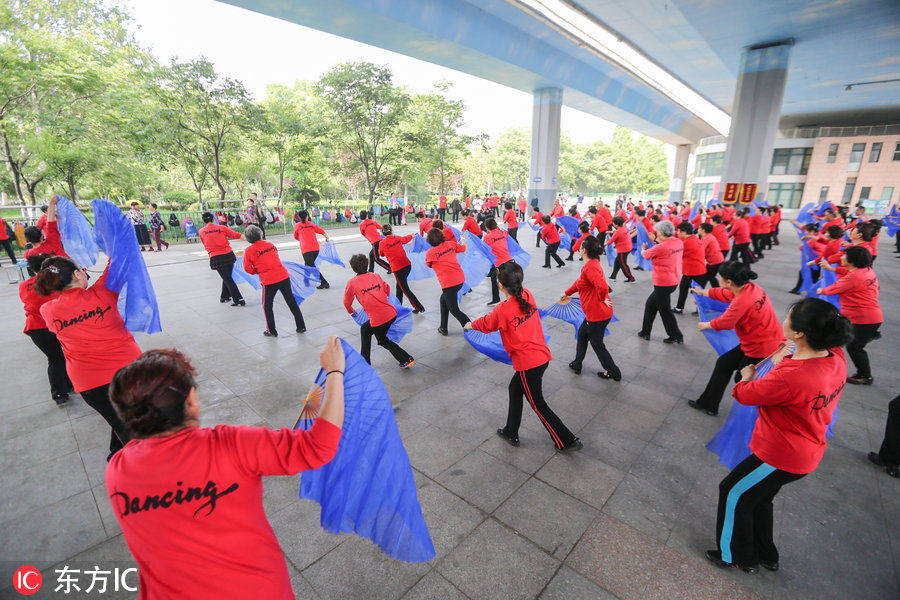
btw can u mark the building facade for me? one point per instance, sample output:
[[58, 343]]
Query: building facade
[[845, 165]]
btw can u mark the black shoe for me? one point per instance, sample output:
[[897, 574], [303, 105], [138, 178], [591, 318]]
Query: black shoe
[[545, 266], [509, 439], [673, 340], [611, 278], [575, 367], [442, 331], [695, 313], [570, 258], [560, 265], [795, 292], [632, 280], [874, 458], [860, 380], [493, 302], [322, 286], [715, 557], [573, 446], [677, 310], [643, 336], [770, 566], [695, 404], [639, 268], [60, 399], [301, 329], [224, 300], [268, 333], [608, 375], [239, 303], [893, 470]]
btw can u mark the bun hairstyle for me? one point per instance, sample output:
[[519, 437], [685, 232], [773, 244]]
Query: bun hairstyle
[[303, 215], [435, 237], [717, 219], [510, 275], [858, 256], [363, 215], [207, 217], [736, 272], [386, 230], [437, 224], [583, 227], [573, 211], [822, 324], [359, 263], [36, 260], [55, 274], [149, 394], [490, 224], [591, 247]]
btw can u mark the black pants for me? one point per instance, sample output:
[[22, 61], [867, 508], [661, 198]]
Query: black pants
[[742, 252], [601, 236], [621, 263], [309, 259], [660, 301], [528, 384], [366, 331], [814, 276], [890, 447], [7, 245], [766, 240], [229, 287], [495, 289], [403, 288], [775, 233], [756, 240], [685, 286], [862, 335], [442, 214], [394, 216], [449, 306], [725, 254], [513, 233], [98, 399], [262, 226], [745, 519], [269, 291], [551, 251], [47, 343], [456, 216], [374, 258], [593, 332], [711, 275], [727, 365], [537, 243]]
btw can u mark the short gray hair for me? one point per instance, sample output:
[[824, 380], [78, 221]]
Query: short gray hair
[[665, 228], [254, 233]]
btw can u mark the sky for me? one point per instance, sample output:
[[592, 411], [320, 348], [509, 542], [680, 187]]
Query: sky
[[258, 50]]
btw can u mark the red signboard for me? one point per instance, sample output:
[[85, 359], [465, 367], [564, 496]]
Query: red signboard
[[730, 195], [748, 193]]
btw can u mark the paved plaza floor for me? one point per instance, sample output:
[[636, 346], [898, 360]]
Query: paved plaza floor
[[628, 517]]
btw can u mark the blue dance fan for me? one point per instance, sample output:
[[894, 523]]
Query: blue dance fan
[[328, 253], [694, 208], [827, 278], [241, 276], [456, 232], [401, 325], [565, 241], [891, 221], [489, 344], [127, 275], [368, 487], [709, 309], [303, 280], [570, 224], [571, 312], [476, 263], [76, 234], [611, 255], [642, 238], [518, 253]]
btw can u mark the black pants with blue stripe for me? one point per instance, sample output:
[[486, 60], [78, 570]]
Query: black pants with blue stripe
[[745, 520]]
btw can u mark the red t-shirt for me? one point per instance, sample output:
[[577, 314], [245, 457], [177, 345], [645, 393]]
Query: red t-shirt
[[752, 317], [576, 245], [692, 261], [442, 259], [536, 216], [215, 239], [305, 233], [425, 225], [740, 231], [371, 230], [496, 239], [831, 247], [190, 503], [262, 257], [666, 257], [621, 238], [33, 302], [442, 202], [604, 213], [728, 214], [757, 224], [522, 205], [372, 292], [510, 219], [92, 333], [41, 222], [796, 401], [721, 234], [858, 292], [471, 225], [522, 333], [593, 290], [391, 247], [52, 243], [3, 233], [711, 252], [557, 211], [549, 233]]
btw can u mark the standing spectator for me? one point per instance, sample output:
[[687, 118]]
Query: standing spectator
[[455, 208], [262, 257], [140, 228], [442, 208], [156, 225], [6, 240], [255, 214]]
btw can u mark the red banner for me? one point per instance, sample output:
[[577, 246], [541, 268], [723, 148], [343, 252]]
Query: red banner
[[730, 195], [748, 193]]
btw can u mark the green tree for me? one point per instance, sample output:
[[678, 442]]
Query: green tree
[[511, 158]]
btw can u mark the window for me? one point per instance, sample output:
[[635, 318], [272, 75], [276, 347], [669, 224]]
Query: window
[[856, 156], [875, 152], [702, 191], [848, 190], [886, 194], [823, 194], [791, 161], [864, 193], [832, 152], [709, 165], [897, 151], [787, 194]]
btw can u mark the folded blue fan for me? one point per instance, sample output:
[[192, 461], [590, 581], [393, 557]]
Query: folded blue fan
[[328, 253], [611, 255], [517, 252], [491, 345], [822, 207], [402, 323], [418, 244], [694, 208], [565, 241], [709, 309], [572, 313], [533, 226], [241, 276], [127, 275], [215, 219], [891, 221], [456, 232], [368, 487], [570, 224], [805, 216], [76, 234], [418, 269], [303, 280], [476, 263], [642, 238], [827, 278]]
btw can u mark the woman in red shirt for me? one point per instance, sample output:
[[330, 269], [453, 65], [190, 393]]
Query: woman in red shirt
[[693, 263], [550, 234], [6, 243], [740, 231], [221, 257], [858, 293], [442, 258], [512, 222], [305, 232], [471, 225], [538, 217], [372, 232], [43, 338], [621, 240], [496, 239], [666, 258], [751, 315], [262, 257], [189, 498], [391, 247], [593, 291], [796, 399], [519, 324], [372, 293], [711, 253], [95, 343], [721, 234]]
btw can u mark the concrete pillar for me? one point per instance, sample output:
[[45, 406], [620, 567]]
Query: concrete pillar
[[545, 146], [754, 120], [679, 173]]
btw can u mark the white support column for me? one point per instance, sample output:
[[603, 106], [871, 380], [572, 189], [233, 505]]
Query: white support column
[[545, 129], [679, 173]]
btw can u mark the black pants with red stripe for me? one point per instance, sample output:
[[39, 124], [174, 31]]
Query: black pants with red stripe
[[528, 384], [621, 263], [374, 258], [403, 288]]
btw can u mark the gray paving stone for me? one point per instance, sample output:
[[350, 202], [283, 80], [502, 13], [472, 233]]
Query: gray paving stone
[[28, 490], [567, 584], [585, 478], [434, 587], [449, 517], [482, 480], [646, 507], [431, 450]]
